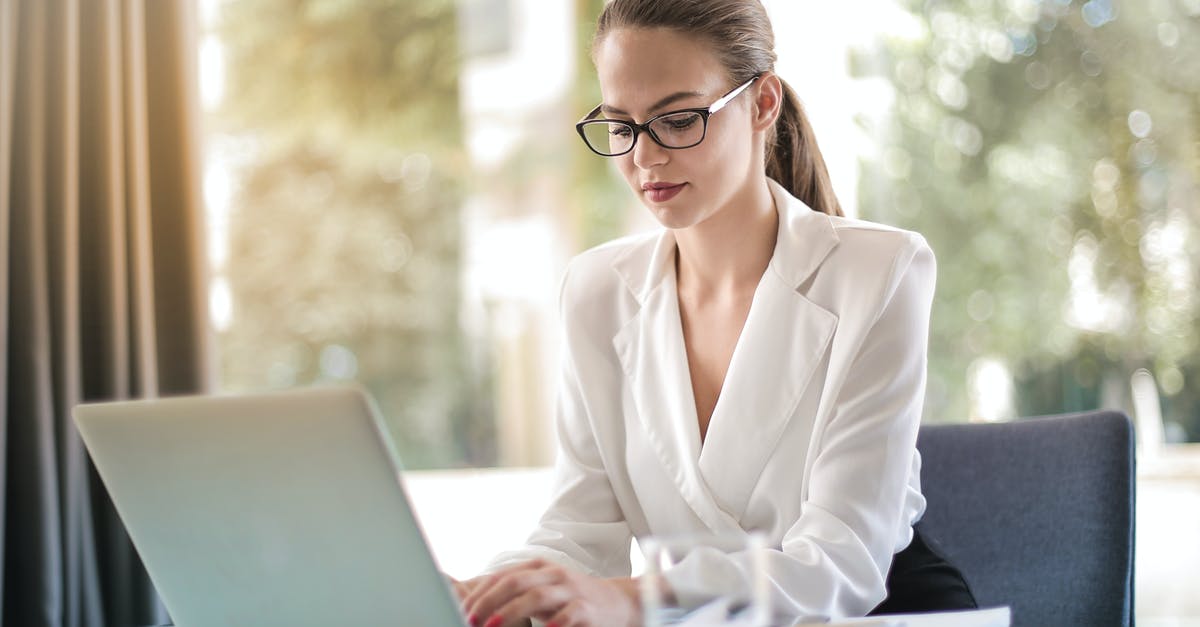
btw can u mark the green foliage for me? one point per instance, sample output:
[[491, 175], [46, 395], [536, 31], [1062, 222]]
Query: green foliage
[[1014, 147], [600, 199], [363, 74], [345, 239]]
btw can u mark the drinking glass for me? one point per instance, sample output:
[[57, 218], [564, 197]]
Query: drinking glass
[[688, 581]]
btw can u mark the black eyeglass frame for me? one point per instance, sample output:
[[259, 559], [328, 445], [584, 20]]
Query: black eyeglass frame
[[644, 127]]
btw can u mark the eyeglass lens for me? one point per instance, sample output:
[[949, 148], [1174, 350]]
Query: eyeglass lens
[[677, 130]]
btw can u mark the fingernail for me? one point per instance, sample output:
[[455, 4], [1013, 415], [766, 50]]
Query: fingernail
[[473, 620], [494, 621]]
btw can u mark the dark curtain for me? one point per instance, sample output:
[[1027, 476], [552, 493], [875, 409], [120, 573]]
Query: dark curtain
[[102, 289]]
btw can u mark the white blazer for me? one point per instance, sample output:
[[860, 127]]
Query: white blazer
[[812, 441]]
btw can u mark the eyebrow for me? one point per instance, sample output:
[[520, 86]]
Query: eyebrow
[[675, 97]]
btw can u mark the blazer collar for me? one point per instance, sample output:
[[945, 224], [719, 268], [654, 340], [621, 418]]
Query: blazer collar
[[778, 351], [805, 238]]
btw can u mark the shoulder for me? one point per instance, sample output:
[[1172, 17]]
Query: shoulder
[[597, 262], [837, 252], [591, 278], [880, 250], [875, 240], [869, 265]]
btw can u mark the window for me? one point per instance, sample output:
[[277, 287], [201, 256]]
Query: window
[[1048, 151], [394, 188]]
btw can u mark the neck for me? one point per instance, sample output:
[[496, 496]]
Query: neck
[[727, 254]]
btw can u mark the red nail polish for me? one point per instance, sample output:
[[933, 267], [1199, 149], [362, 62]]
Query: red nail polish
[[494, 621], [473, 620], [551, 624]]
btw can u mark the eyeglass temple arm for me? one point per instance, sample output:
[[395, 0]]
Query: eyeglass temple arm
[[720, 104], [591, 114]]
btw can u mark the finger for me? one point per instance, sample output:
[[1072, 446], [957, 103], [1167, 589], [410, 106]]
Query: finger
[[480, 585], [505, 587], [536, 602], [571, 614], [456, 586]]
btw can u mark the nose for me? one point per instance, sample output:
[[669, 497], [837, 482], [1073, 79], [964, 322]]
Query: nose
[[647, 153]]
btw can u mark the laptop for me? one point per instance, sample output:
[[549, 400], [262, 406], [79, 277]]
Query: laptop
[[274, 509]]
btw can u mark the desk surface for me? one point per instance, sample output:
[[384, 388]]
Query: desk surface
[[991, 617]]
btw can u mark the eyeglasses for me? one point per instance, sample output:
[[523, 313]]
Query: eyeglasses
[[675, 129]]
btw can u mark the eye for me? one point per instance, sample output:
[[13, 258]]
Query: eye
[[683, 122], [619, 130]]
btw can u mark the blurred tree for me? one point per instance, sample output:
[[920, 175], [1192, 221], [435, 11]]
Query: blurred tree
[[344, 236], [1050, 152], [598, 200], [601, 199]]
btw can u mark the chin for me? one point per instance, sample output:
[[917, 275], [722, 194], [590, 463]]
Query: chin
[[673, 218]]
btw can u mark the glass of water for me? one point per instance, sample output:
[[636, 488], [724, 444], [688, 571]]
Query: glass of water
[[705, 579]]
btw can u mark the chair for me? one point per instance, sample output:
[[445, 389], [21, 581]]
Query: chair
[[1038, 514]]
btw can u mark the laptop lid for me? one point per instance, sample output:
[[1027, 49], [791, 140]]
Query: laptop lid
[[274, 509]]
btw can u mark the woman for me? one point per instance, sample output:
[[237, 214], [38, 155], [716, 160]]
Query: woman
[[757, 365]]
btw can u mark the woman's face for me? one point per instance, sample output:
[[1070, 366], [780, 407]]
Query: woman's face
[[645, 72]]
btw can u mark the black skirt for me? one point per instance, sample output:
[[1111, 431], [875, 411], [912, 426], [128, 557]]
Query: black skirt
[[921, 580]]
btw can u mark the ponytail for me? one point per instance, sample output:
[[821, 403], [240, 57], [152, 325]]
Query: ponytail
[[794, 160]]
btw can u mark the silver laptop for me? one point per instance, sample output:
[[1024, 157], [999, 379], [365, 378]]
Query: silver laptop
[[276, 509]]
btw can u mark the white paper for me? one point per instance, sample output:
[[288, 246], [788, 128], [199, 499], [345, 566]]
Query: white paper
[[990, 617]]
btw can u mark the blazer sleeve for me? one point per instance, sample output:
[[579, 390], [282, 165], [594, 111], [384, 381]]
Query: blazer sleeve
[[834, 559], [583, 527]]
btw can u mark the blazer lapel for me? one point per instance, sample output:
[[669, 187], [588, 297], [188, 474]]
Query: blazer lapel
[[781, 345], [650, 348]]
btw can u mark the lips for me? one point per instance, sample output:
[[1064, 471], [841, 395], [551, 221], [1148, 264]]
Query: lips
[[661, 191]]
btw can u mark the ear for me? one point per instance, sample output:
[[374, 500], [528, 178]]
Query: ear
[[768, 101]]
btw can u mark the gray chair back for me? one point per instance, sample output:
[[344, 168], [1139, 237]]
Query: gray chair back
[[1038, 514]]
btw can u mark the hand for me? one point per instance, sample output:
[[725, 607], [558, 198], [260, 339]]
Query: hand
[[463, 588], [558, 596]]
